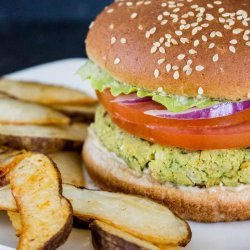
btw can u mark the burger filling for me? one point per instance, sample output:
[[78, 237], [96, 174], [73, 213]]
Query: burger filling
[[170, 164]]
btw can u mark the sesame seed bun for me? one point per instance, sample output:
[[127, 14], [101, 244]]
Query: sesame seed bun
[[199, 204], [186, 47]]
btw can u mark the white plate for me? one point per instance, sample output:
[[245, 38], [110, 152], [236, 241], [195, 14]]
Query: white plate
[[221, 236]]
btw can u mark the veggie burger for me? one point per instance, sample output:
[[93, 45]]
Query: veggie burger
[[173, 81]]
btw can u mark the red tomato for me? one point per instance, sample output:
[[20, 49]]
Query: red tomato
[[218, 133]]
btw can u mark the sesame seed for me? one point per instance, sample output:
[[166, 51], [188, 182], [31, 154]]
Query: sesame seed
[[196, 43], [152, 30], [176, 75], [200, 91], [166, 13], [205, 25], [218, 33], [110, 11], [147, 2], [133, 15], [189, 62], [221, 10], [111, 26], [156, 73], [199, 68], [140, 27], [123, 40], [160, 17], [147, 34], [237, 31], [117, 60], [91, 25], [234, 41], [184, 40], [186, 67], [113, 40], [168, 67], [163, 22], [217, 2], [153, 50], [209, 17], [162, 50], [178, 32], [189, 72], [175, 67], [181, 57], [232, 49], [211, 45], [210, 5], [212, 34], [215, 58], [129, 3], [192, 51], [248, 44], [173, 41], [160, 89], [204, 38], [160, 61], [222, 20]]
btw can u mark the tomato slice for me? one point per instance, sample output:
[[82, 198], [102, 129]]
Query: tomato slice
[[218, 133]]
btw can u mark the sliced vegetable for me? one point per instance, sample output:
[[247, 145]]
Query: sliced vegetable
[[101, 81], [198, 134], [219, 110]]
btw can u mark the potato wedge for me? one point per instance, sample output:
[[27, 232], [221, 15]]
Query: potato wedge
[[106, 237], [80, 113], [8, 160], [15, 219], [137, 216], [21, 113], [70, 167], [46, 139], [46, 216], [43, 93]]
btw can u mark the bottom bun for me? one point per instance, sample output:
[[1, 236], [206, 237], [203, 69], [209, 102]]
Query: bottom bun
[[199, 204]]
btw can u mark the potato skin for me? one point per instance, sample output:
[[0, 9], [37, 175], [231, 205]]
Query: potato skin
[[39, 144], [102, 240]]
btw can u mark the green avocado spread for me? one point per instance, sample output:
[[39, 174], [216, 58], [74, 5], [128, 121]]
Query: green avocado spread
[[178, 166]]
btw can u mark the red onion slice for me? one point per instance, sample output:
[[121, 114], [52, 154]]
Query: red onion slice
[[131, 98], [219, 110]]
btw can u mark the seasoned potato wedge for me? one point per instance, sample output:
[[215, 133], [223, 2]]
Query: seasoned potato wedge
[[15, 219], [70, 167], [43, 93], [140, 217], [46, 139], [18, 112], [80, 113], [7, 201], [8, 160], [46, 216], [105, 237]]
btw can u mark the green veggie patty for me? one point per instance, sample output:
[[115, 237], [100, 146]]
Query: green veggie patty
[[178, 166]]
